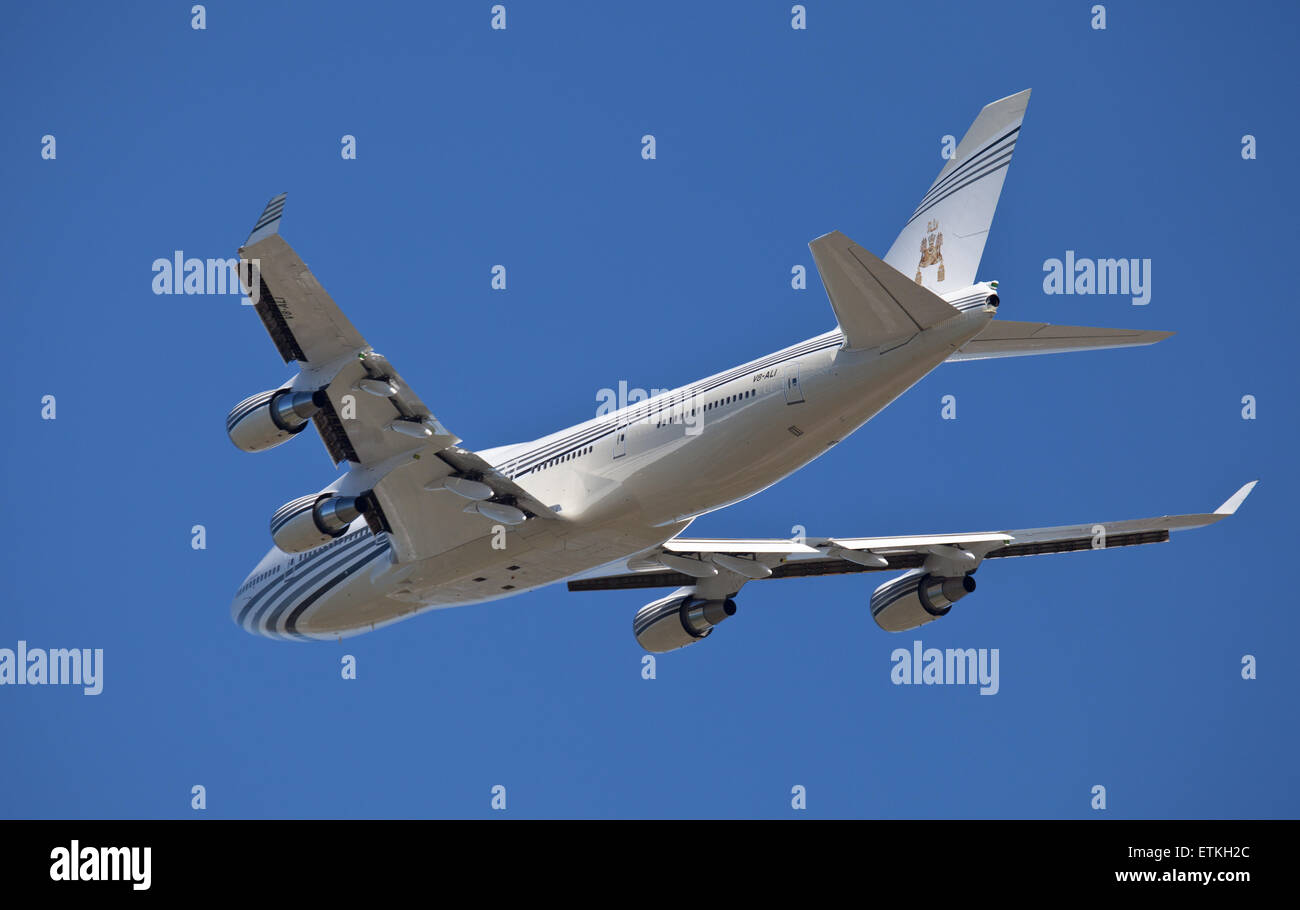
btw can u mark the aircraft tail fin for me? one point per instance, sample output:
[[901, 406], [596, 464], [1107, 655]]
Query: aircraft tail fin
[[941, 244]]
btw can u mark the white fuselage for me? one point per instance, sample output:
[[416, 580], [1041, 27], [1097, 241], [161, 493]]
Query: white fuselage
[[620, 484]]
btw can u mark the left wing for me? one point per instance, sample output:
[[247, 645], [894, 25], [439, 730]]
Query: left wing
[[368, 416], [727, 564], [302, 319], [307, 326]]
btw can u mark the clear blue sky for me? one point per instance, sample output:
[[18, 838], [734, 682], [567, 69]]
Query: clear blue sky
[[522, 148]]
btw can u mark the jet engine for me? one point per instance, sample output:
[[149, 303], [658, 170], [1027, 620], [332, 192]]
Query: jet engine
[[916, 598], [678, 620], [269, 418], [310, 521]]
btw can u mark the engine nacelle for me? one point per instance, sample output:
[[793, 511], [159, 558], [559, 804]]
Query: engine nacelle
[[310, 521], [678, 620], [916, 598], [269, 418]]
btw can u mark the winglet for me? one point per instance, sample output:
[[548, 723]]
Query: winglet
[[1234, 502], [269, 223]]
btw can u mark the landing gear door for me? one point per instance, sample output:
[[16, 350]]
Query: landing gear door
[[793, 391]]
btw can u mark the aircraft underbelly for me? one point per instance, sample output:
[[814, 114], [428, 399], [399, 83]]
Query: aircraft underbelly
[[476, 573], [646, 497]]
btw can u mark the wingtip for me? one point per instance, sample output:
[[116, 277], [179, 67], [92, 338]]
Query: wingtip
[[1235, 500], [269, 221], [1020, 96], [826, 238]]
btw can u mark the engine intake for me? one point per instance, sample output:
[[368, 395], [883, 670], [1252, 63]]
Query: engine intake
[[269, 418], [678, 620], [916, 598], [310, 521]]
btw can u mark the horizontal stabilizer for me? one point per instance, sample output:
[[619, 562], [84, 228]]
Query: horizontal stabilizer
[[1019, 339], [874, 302]]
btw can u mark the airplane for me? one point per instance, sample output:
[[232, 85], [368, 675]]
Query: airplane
[[417, 522]]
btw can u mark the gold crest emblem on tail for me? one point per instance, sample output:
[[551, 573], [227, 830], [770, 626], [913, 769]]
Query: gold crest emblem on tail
[[931, 249]]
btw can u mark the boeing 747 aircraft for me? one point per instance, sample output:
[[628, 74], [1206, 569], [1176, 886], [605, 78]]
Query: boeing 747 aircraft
[[418, 522]]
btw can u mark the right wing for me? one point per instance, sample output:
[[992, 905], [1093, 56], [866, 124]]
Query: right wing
[[1018, 339], [726, 564]]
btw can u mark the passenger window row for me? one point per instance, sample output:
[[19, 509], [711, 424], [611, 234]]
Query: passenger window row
[[257, 579], [666, 418], [569, 457], [729, 399]]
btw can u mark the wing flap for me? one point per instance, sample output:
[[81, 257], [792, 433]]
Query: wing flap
[[423, 522], [470, 464], [734, 546], [366, 429]]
